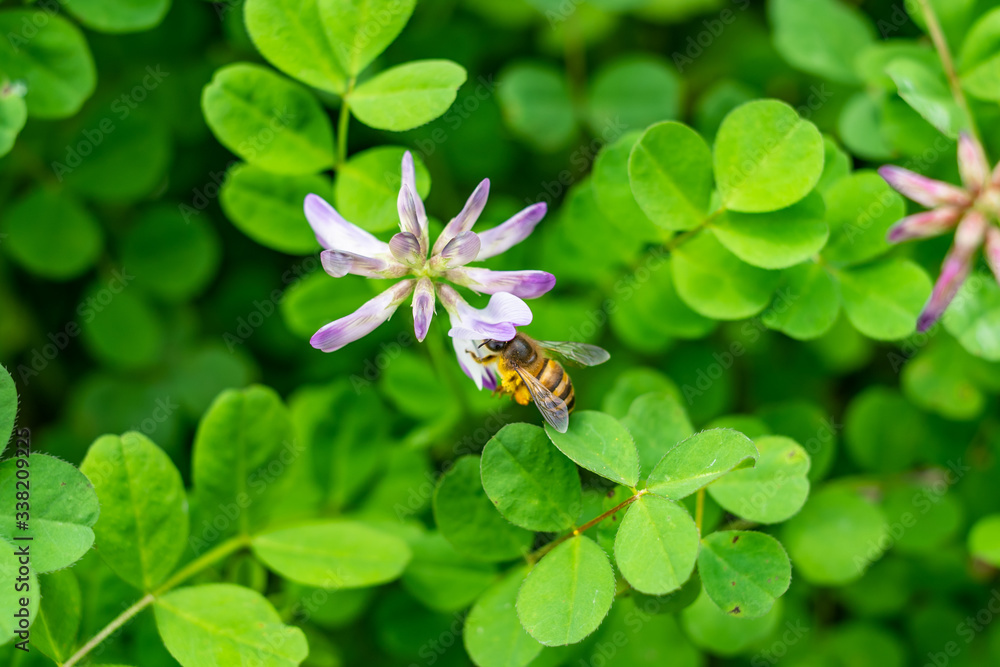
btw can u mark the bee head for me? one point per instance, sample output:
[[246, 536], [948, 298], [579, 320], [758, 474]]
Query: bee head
[[493, 345]]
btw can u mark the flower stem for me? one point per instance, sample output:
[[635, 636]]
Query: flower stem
[[948, 64], [194, 567], [343, 122], [536, 555]]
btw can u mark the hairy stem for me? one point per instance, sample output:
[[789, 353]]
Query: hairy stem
[[948, 64], [536, 555], [343, 123], [194, 567]]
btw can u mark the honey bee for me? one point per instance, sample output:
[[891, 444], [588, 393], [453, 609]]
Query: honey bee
[[529, 374]]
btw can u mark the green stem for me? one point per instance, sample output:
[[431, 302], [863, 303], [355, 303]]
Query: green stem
[[343, 123], [194, 567], [948, 64], [536, 555]]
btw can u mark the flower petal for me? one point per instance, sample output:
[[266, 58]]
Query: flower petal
[[405, 247], [525, 284], [972, 162], [992, 250], [458, 252], [466, 218], [923, 190], [924, 225], [495, 322], [335, 233], [465, 351], [955, 269], [508, 234], [338, 264], [363, 321], [423, 307], [412, 216]]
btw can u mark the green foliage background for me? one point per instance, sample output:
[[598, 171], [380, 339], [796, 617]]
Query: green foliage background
[[714, 222]]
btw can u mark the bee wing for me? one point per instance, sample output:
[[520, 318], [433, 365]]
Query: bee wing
[[551, 406], [581, 353]]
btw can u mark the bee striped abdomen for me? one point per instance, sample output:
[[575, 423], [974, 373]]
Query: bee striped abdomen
[[554, 378]]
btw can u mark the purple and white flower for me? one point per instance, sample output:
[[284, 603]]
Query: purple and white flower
[[348, 249], [971, 211]]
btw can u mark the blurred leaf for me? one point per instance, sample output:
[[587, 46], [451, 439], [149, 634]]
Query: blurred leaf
[[925, 91], [492, 633], [599, 443], [744, 572], [861, 127], [880, 429], [766, 157], [143, 527], [633, 383], [973, 317], [359, 30], [268, 120], [979, 59], [774, 240], [118, 16], [700, 460], [984, 540], [367, 187], [467, 518], [860, 209], [773, 490], [643, 639], [657, 545], [836, 165], [536, 105], [808, 305], [670, 171], [931, 517], [443, 579], [613, 192], [883, 300], [631, 93], [63, 507], [723, 634], [531, 483], [13, 115], [333, 554], [51, 234], [657, 423], [567, 594], [55, 629], [292, 35], [120, 327], [811, 426], [407, 96], [821, 37], [231, 623], [942, 379], [52, 59]]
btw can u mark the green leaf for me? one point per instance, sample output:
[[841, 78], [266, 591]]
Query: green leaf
[[766, 157], [809, 424], [631, 93], [10, 599], [268, 120], [13, 115], [925, 90], [51, 234], [467, 518], [8, 407], [861, 126], [643, 631], [176, 258], [670, 171], [880, 429], [567, 594], [821, 37], [613, 192], [836, 536], [121, 329], [744, 572], [63, 509], [657, 545], [58, 622], [531, 483], [657, 423], [359, 30], [536, 105], [268, 207], [777, 239], [930, 515], [836, 164], [984, 540], [599, 443], [119, 16], [773, 490], [441, 578], [333, 554], [700, 460], [368, 184], [723, 634], [242, 433], [292, 36], [231, 624], [942, 379], [883, 300], [143, 528], [973, 317], [860, 209], [718, 284], [808, 302], [407, 96], [979, 59], [54, 62], [492, 634]]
